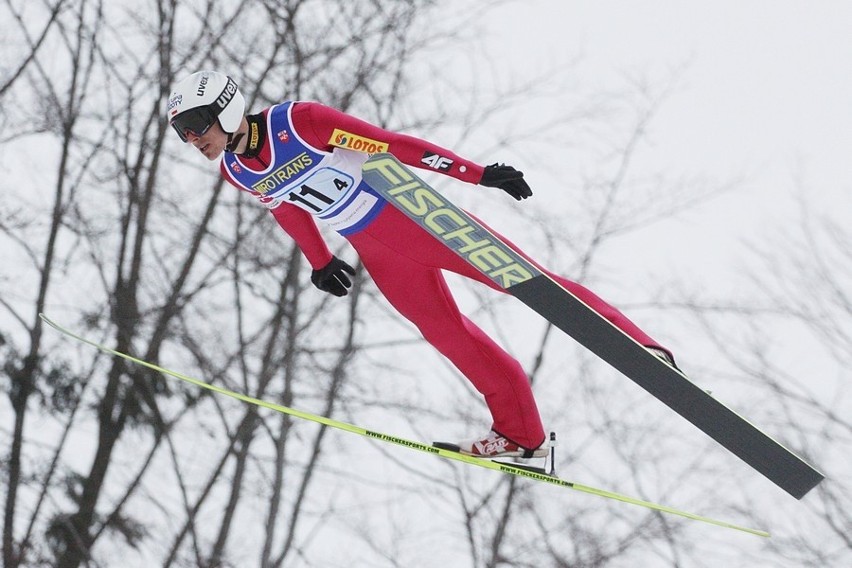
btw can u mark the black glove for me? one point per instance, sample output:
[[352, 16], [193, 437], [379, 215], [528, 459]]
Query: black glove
[[332, 277], [506, 178]]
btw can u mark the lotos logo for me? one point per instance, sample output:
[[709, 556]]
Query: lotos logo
[[343, 139]]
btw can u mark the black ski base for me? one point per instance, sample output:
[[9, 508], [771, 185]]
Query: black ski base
[[738, 435]]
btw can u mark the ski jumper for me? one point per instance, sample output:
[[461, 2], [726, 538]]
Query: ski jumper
[[303, 161]]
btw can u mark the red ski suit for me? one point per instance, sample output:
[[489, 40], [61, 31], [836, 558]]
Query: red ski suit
[[405, 262]]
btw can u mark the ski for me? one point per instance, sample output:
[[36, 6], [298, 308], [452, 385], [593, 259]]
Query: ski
[[410, 444], [520, 278]]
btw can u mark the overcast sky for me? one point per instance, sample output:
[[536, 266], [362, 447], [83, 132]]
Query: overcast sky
[[766, 81], [765, 92]]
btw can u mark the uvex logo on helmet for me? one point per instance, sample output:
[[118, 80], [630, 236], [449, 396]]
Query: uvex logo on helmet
[[202, 85], [227, 94]]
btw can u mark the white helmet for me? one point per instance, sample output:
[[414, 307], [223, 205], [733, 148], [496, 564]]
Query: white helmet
[[200, 99]]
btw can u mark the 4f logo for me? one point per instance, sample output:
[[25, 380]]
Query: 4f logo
[[436, 162]]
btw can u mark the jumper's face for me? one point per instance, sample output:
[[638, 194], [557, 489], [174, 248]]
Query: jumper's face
[[212, 143]]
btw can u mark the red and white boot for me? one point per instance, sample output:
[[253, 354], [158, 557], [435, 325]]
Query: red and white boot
[[495, 445]]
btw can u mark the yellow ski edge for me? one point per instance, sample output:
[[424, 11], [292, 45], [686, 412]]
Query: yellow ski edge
[[426, 448]]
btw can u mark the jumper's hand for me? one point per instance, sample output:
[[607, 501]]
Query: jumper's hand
[[506, 178], [332, 277]]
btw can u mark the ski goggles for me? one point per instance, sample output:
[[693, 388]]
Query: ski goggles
[[198, 120], [195, 121]]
